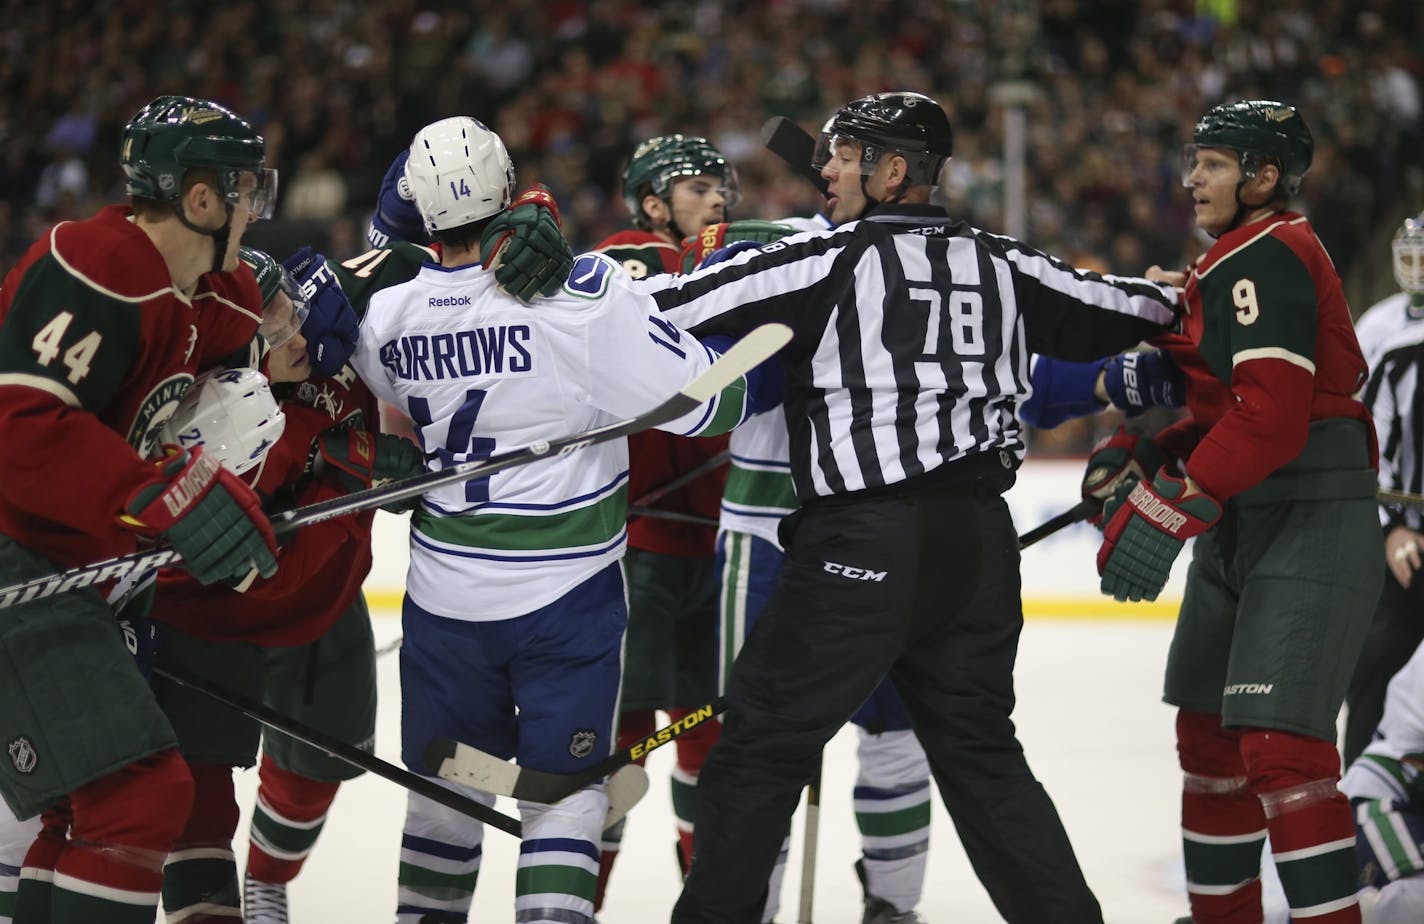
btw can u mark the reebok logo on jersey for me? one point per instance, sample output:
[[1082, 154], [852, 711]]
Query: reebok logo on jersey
[[1240, 689], [451, 301], [855, 574], [1156, 510]]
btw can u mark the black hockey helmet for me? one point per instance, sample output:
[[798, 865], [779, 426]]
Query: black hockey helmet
[[909, 124]]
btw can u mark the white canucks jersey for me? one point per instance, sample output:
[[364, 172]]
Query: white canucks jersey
[[1383, 322], [479, 373], [760, 491], [1381, 771]]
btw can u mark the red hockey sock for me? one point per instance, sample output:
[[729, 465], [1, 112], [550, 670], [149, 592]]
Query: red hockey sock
[[200, 877], [1223, 827], [1312, 827], [286, 821]]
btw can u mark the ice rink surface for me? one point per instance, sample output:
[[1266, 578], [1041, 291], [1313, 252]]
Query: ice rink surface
[[1091, 721]]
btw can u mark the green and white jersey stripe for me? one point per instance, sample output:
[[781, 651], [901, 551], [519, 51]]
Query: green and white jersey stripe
[[759, 490]]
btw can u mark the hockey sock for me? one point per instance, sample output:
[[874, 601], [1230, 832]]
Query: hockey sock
[[286, 821], [1223, 826], [1312, 827], [16, 836], [692, 751], [200, 875], [558, 858], [123, 827], [439, 860], [892, 811], [36, 879], [633, 725]]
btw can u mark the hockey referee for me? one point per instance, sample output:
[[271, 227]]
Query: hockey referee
[[909, 361]]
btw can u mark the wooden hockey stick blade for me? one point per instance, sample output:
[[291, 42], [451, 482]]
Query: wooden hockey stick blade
[[789, 141], [1080, 511], [749, 352], [346, 752], [460, 763], [625, 789]]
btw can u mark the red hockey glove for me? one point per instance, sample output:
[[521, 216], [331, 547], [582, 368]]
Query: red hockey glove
[[1119, 459], [524, 245], [697, 247], [361, 459], [207, 513], [1147, 533]]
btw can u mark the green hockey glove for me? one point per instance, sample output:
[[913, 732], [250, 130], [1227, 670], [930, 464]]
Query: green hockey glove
[[362, 459], [207, 513], [1147, 533], [524, 245], [697, 247], [1122, 458]]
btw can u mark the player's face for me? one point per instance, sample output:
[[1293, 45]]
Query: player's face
[[698, 201], [288, 361], [1212, 175], [842, 172]]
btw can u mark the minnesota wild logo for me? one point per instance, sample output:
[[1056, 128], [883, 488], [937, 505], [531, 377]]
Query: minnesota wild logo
[[1278, 115], [157, 407]]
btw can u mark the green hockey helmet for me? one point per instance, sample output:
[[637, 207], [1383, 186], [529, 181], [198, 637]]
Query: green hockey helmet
[[657, 162], [173, 134], [278, 324], [1260, 131]]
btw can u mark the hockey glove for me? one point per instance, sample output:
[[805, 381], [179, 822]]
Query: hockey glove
[[1147, 533], [396, 216], [696, 247], [362, 459], [1119, 459], [1137, 381], [210, 516], [331, 324], [524, 245]]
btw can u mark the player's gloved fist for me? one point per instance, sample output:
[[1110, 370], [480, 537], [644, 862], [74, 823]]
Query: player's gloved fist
[[1137, 381], [697, 247], [396, 216], [1120, 458], [1146, 534], [331, 325], [207, 513], [525, 246], [361, 459]]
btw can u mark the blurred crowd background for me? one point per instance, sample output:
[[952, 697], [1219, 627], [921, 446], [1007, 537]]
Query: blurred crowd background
[[338, 87]]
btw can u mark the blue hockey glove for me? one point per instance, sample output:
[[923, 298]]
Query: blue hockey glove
[[724, 254], [331, 324], [1137, 381], [1062, 390], [1146, 535], [396, 217]]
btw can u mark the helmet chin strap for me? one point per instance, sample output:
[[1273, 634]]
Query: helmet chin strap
[[220, 235]]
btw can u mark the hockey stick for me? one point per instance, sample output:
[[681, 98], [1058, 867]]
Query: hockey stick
[[789, 141], [810, 836], [1390, 498], [1082, 510], [657, 513], [461, 763], [746, 354], [347, 752], [682, 480]]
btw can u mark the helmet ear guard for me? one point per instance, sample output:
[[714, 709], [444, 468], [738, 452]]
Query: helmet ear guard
[[458, 173], [230, 413]]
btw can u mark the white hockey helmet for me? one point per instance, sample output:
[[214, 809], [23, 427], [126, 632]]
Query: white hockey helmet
[[1409, 255], [458, 172], [230, 413]]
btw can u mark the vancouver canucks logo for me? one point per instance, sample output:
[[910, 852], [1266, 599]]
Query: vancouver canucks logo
[[22, 755], [157, 407]]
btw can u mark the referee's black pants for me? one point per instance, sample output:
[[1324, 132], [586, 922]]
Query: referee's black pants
[[922, 586], [1395, 632]]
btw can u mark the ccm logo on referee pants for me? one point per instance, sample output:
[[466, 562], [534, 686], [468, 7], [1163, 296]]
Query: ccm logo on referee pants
[[855, 574]]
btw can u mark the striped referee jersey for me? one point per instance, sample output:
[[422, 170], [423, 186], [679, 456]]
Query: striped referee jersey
[[1395, 397], [912, 337]]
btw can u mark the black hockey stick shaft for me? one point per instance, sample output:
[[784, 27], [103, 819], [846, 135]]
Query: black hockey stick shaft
[[683, 480], [542, 786], [347, 752], [789, 141], [747, 353], [1082, 510]]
